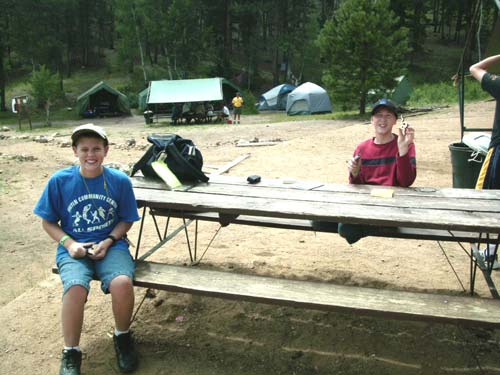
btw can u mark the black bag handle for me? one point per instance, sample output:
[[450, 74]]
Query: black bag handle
[[171, 149], [158, 140], [143, 161]]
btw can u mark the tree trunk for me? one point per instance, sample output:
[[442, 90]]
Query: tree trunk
[[227, 48], [2, 79], [47, 112]]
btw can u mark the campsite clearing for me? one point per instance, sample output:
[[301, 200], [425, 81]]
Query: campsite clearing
[[188, 335]]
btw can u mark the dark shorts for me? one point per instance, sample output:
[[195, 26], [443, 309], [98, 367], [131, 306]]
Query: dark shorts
[[489, 177], [237, 110]]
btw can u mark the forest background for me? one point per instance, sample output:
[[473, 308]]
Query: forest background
[[348, 46]]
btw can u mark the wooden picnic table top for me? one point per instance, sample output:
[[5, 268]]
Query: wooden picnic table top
[[447, 209]]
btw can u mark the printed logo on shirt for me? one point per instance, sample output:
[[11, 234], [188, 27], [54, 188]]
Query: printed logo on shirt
[[92, 212]]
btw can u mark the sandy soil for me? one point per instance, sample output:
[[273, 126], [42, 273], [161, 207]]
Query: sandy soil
[[184, 334]]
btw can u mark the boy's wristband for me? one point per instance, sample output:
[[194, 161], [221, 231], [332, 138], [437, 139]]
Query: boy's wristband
[[63, 238], [112, 238]]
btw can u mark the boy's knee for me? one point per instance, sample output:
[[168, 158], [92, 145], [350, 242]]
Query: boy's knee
[[121, 281]]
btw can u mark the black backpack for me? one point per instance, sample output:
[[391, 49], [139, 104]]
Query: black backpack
[[183, 158]]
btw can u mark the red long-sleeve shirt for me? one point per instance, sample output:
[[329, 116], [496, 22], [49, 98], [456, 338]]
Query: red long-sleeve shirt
[[382, 165]]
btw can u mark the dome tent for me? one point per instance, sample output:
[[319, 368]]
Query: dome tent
[[307, 99], [275, 99]]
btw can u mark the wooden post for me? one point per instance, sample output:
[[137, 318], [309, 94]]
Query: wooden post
[[22, 111]]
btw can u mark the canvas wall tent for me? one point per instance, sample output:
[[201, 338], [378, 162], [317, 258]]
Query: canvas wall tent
[[191, 90], [275, 99], [307, 99], [103, 98], [142, 99], [402, 91]]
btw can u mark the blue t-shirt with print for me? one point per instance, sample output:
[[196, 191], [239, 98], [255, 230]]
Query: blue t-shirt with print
[[88, 209]]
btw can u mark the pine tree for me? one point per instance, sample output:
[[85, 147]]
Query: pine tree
[[363, 49]]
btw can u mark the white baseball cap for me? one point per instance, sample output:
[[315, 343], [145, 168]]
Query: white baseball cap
[[88, 129]]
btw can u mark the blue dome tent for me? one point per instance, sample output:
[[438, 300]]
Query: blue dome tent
[[275, 99]]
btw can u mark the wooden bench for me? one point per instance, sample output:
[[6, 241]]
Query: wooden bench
[[162, 115], [319, 295], [307, 225]]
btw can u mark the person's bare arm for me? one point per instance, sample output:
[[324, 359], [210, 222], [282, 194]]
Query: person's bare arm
[[479, 69], [75, 249]]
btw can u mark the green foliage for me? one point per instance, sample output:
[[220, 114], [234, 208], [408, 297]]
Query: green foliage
[[249, 107], [45, 86], [438, 62], [363, 49], [340, 115], [443, 93]]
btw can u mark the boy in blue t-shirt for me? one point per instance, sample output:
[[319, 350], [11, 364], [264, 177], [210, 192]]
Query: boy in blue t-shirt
[[88, 209]]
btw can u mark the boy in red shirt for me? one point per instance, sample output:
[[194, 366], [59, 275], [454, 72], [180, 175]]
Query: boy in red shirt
[[386, 159]]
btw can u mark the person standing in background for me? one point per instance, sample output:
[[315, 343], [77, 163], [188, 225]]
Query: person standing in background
[[237, 107]]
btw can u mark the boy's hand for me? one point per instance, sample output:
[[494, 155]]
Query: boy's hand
[[98, 251], [354, 165], [405, 138], [80, 249]]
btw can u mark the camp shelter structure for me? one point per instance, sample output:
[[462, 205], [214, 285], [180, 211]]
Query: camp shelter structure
[[142, 99], [102, 100], [402, 91], [307, 99], [275, 99], [191, 90]]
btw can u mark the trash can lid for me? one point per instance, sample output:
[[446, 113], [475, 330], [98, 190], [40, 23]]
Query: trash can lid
[[479, 142]]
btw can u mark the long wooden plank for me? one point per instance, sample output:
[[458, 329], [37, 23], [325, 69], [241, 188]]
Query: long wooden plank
[[318, 295], [306, 225], [147, 183], [324, 211], [402, 202], [466, 195], [291, 184], [477, 204]]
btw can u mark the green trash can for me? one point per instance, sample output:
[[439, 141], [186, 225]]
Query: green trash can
[[148, 116], [465, 164]]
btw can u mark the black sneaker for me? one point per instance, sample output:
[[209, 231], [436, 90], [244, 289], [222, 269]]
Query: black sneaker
[[70, 362], [126, 356]]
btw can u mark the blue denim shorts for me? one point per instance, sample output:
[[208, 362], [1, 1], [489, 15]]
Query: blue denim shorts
[[82, 270]]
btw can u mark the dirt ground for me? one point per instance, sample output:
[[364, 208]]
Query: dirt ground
[[188, 335]]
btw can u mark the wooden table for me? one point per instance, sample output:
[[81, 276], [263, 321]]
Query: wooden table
[[423, 213]]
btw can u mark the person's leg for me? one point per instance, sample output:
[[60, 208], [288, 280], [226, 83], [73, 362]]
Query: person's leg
[[354, 232], [237, 112], [72, 314], [76, 275], [116, 272], [122, 301], [493, 176]]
